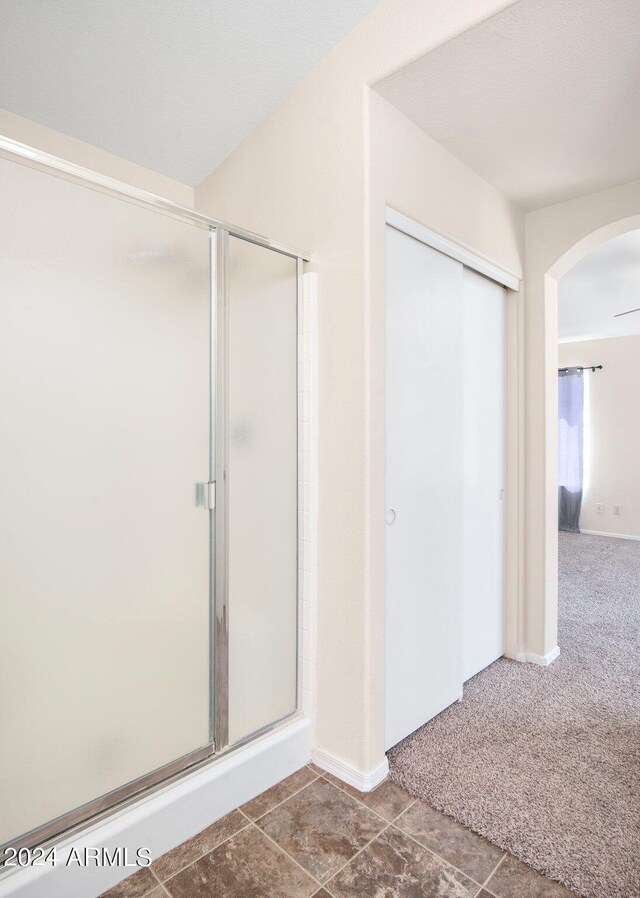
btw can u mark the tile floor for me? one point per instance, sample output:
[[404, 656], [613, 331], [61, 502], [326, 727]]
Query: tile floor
[[312, 835]]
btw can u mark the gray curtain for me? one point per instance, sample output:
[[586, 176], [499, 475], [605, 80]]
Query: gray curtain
[[570, 444]]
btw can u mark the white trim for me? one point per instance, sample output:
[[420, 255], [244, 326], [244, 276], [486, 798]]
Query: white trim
[[542, 660], [167, 817], [401, 223], [363, 782], [614, 535]]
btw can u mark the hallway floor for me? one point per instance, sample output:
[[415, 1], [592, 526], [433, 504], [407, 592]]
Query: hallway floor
[[543, 761], [313, 835]]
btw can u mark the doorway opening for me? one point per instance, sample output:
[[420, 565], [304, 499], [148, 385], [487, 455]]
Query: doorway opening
[[598, 445], [598, 348]]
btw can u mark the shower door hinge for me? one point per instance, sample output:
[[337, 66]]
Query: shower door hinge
[[210, 495]]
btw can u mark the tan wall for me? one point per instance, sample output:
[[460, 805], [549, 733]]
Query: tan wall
[[612, 432], [302, 178], [57, 144], [556, 238]]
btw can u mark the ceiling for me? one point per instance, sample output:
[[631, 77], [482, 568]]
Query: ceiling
[[604, 283], [173, 85], [542, 100]]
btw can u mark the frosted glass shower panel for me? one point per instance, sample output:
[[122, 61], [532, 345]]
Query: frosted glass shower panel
[[104, 553], [261, 486]]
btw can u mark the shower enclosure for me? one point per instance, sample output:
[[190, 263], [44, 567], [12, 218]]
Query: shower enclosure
[[148, 500]]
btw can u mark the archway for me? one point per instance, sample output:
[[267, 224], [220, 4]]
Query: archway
[[561, 266]]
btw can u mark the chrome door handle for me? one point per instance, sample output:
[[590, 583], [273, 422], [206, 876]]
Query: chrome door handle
[[390, 516]]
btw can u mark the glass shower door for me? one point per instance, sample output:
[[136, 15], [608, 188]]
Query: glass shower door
[[104, 549], [257, 535]]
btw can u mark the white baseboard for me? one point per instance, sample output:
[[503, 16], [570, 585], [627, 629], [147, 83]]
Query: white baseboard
[[363, 782], [614, 535], [167, 817], [542, 660]]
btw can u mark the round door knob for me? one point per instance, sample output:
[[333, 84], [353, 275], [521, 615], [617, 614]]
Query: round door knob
[[501, 495], [390, 516]]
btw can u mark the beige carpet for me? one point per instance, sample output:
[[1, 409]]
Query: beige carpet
[[545, 762]]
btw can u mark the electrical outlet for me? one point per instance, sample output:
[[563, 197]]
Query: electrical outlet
[[600, 507], [617, 509]]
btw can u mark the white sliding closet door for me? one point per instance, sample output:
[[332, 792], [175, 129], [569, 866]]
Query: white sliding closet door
[[484, 471], [423, 483], [445, 472]]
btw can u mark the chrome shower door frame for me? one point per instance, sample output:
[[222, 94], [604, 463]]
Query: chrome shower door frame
[[219, 464]]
